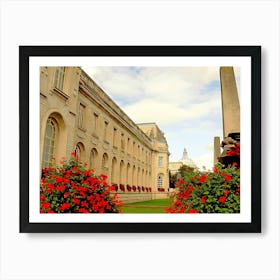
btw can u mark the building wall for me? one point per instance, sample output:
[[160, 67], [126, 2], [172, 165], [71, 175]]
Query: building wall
[[160, 154], [174, 167], [87, 121]]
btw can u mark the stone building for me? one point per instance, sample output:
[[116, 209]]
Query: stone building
[[77, 115]]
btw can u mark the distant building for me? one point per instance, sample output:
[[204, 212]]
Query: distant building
[[185, 160], [77, 115]]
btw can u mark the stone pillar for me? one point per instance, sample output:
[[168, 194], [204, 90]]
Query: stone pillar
[[230, 101], [217, 149]]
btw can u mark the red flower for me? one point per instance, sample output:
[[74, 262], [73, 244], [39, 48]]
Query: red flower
[[60, 188], [42, 197], [203, 178], [82, 193], [76, 201], [87, 173], [50, 187], [46, 205], [59, 180], [66, 181], [215, 170], [203, 199], [234, 151], [103, 177], [226, 192], [222, 199], [83, 210], [64, 206], [66, 194], [84, 204], [192, 211], [227, 178]]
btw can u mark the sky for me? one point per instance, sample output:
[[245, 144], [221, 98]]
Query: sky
[[185, 103]]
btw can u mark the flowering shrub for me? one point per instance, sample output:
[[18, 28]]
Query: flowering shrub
[[71, 188], [212, 192], [115, 187]]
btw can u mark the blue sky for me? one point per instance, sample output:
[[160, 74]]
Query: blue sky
[[185, 102]]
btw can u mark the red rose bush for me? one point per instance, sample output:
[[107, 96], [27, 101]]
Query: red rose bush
[[71, 188], [211, 192]]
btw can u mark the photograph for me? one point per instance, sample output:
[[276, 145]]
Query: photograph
[[139, 140]]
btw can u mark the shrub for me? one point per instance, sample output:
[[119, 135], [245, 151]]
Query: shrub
[[71, 188], [122, 188], [211, 192], [115, 187]]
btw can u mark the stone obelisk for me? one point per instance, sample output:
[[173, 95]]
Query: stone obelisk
[[217, 149], [230, 102]]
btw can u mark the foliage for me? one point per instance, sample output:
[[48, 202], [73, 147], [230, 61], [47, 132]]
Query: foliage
[[71, 188], [184, 170], [208, 192]]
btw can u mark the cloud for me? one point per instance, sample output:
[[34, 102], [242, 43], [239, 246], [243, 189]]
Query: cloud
[[184, 101], [205, 160], [164, 113]]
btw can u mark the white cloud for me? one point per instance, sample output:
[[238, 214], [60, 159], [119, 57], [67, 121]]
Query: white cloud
[[169, 96], [169, 84], [164, 113], [205, 160]]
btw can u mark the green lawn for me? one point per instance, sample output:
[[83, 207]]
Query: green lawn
[[150, 206]]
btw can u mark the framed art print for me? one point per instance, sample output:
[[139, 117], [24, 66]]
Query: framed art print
[[140, 138]]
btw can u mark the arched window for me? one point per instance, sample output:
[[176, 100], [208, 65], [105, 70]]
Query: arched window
[[122, 172], [160, 180], [79, 151], [128, 175], [105, 161], [93, 159], [49, 142], [114, 178]]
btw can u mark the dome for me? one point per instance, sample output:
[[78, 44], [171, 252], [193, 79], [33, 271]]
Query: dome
[[186, 160]]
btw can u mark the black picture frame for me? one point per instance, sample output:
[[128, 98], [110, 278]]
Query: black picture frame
[[254, 52]]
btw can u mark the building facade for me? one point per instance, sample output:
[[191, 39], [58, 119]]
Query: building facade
[[77, 115]]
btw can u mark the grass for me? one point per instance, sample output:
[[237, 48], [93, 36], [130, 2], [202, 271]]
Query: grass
[[147, 207]]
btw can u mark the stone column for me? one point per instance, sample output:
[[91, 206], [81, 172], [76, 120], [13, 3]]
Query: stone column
[[217, 149], [230, 101]]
